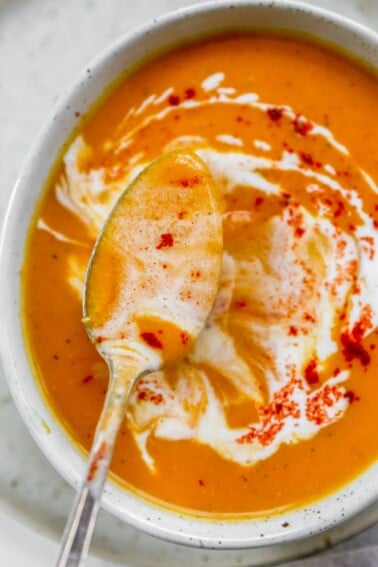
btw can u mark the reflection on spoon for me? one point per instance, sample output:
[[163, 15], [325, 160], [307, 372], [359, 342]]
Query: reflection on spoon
[[150, 287]]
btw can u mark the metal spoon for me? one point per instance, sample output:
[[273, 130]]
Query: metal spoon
[[150, 286]]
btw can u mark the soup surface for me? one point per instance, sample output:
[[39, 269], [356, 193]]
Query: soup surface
[[276, 403]]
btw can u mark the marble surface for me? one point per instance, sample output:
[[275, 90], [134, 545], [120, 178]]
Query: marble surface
[[43, 46]]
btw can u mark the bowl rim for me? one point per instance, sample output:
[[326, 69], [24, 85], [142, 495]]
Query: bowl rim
[[162, 522]]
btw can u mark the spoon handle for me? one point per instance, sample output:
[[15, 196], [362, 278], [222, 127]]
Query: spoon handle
[[79, 528]]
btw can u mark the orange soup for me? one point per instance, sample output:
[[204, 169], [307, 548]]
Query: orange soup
[[276, 404]]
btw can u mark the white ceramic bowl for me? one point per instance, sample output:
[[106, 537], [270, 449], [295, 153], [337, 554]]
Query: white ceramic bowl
[[159, 35]]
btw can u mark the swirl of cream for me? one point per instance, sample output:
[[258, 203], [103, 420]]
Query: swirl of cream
[[297, 281]]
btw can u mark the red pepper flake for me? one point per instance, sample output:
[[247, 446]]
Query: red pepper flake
[[274, 113], [316, 405], [174, 100], [308, 317], [273, 415], [351, 396], [311, 373], [201, 482], [196, 274], [258, 201], [151, 339], [184, 338], [190, 93], [340, 209], [342, 316], [87, 379], [240, 304], [181, 214], [354, 349], [299, 232], [77, 113], [375, 224], [351, 340], [99, 340], [352, 228], [270, 433], [145, 394], [164, 266], [336, 372], [166, 241], [286, 195], [293, 331], [307, 158], [301, 125], [372, 346]]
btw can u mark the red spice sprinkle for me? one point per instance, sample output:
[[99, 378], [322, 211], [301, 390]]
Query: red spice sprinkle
[[342, 316], [299, 232], [149, 395], [77, 113], [166, 241], [372, 346], [174, 100], [293, 331], [99, 339], [340, 209], [87, 379], [258, 201], [151, 339], [240, 304], [336, 372], [184, 338], [351, 341], [311, 373], [190, 93], [286, 195], [301, 125], [181, 214], [352, 228], [188, 182], [201, 482], [274, 113], [309, 317], [196, 274], [316, 405], [165, 266], [307, 158], [351, 396]]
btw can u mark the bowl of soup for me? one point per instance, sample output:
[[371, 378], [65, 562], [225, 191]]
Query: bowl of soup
[[266, 431]]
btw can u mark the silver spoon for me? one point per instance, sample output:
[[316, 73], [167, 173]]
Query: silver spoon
[[150, 286]]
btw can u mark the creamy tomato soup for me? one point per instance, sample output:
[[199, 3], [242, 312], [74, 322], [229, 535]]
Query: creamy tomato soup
[[276, 404]]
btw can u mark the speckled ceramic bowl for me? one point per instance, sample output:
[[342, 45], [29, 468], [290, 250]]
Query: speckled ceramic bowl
[[48, 433]]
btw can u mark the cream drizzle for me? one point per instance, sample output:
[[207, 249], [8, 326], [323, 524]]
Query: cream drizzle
[[192, 408]]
